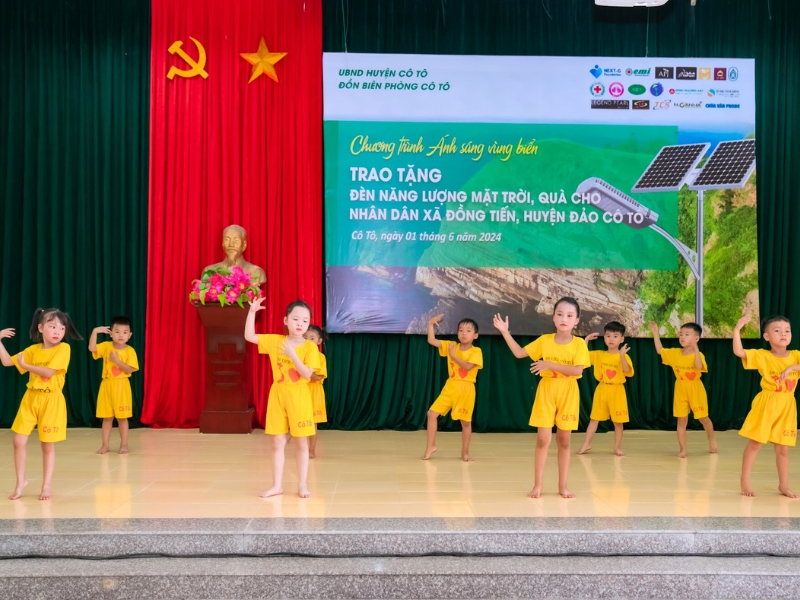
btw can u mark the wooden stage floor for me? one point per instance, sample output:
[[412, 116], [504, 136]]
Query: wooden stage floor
[[182, 474]]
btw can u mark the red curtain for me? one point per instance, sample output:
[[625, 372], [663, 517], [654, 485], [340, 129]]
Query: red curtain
[[224, 151]]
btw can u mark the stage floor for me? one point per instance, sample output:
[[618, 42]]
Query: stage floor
[[182, 474]]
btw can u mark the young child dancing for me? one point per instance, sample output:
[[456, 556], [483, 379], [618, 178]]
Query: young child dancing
[[317, 335], [43, 405], [688, 364], [458, 394], [773, 414], [289, 409], [114, 400], [559, 359], [611, 369]]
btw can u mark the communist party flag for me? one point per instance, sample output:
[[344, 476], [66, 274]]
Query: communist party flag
[[233, 139]]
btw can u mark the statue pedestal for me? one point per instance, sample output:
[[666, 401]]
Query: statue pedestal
[[226, 404]]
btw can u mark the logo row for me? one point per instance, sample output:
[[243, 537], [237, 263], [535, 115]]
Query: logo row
[[684, 73], [616, 89], [655, 104]]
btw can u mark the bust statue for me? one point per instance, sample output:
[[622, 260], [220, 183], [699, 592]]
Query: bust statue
[[234, 242]]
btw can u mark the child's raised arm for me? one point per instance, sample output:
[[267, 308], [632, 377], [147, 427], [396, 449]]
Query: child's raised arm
[[468, 366], [738, 349], [433, 322], [93, 337], [250, 324], [502, 327], [5, 357], [656, 338]]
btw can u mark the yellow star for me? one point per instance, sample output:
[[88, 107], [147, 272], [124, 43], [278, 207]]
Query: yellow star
[[263, 61]]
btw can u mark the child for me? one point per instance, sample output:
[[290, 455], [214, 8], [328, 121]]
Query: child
[[317, 335], [115, 398], [688, 363], [289, 410], [611, 369], [43, 405], [458, 394], [773, 414], [559, 359]]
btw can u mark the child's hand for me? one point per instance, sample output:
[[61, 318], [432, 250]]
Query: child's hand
[[451, 350], [255, 305], [21, 360], [624, 349], [591, 336], [742, 322], [785, 374], [287, 348], [500, 324], [539, 366], [7, 333], [113, 356], [435, 320], [654, 327], [102, 329]]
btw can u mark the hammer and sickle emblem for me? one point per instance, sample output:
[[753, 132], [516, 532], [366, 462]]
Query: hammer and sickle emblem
[[197, 66]]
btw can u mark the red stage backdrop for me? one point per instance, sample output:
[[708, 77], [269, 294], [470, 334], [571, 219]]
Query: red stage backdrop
[[224, 151]]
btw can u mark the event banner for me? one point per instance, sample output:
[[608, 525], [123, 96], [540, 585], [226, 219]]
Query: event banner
[[475, 185]]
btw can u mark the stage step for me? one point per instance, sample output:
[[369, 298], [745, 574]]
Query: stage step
[[600, 536], [684, 578]]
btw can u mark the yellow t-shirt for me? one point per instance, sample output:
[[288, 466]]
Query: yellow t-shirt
[[473, 355], [770, 367], [608, 367], [283, 370], [322, 370], [573, 354], [683, 364], [56, 358], [111, 371]]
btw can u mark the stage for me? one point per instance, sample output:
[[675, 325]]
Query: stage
[[182, 474]]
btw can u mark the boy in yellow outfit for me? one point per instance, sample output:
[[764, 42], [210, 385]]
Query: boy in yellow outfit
[[773, 414], [611, 368], [463, 362], [688, 364], [114, 399]]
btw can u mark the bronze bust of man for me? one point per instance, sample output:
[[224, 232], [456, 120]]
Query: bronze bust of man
[[234, 242]]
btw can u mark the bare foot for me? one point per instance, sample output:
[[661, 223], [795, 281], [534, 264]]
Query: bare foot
[[273, 491], [535, 492], [46, 494], [682, 454], [103, 450], [123, 450], [747, 489], [584, 449], [565, 493], [787, 492], [303, 492], [18, 490], [312, 454], [712, 447], [618, 452], [466, 458], [429, 452]]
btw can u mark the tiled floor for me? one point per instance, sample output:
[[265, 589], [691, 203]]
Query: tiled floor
[[180, 473]]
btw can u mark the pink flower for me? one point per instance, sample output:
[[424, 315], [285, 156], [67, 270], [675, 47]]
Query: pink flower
[[211, 295], [250, 294], [231, 295]]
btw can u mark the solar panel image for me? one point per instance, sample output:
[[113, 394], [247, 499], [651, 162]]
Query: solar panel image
[[670, 167], [728, 167]]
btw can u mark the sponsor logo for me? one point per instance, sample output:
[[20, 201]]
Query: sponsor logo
[[733, 74], [616, 89], [662, 104], [612, 104], [641, 105], [612, 72], [671, 90], [686, 91], [704, 73], [656, 89], [597, 71], [720, 105], [638, 72], [687, 73], [665, 72], [636, 89], [598, 89], [723, 93], [720, 74], [688, 104]]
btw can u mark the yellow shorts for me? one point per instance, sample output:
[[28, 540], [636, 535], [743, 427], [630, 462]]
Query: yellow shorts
[[458, 396], [115, 399], [690, 396], [47, 412], [289, 410], [772, 418], [318, 402], [557, 403], [610, 402]]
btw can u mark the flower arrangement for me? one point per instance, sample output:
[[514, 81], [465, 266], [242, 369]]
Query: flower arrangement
[[224, 286]]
